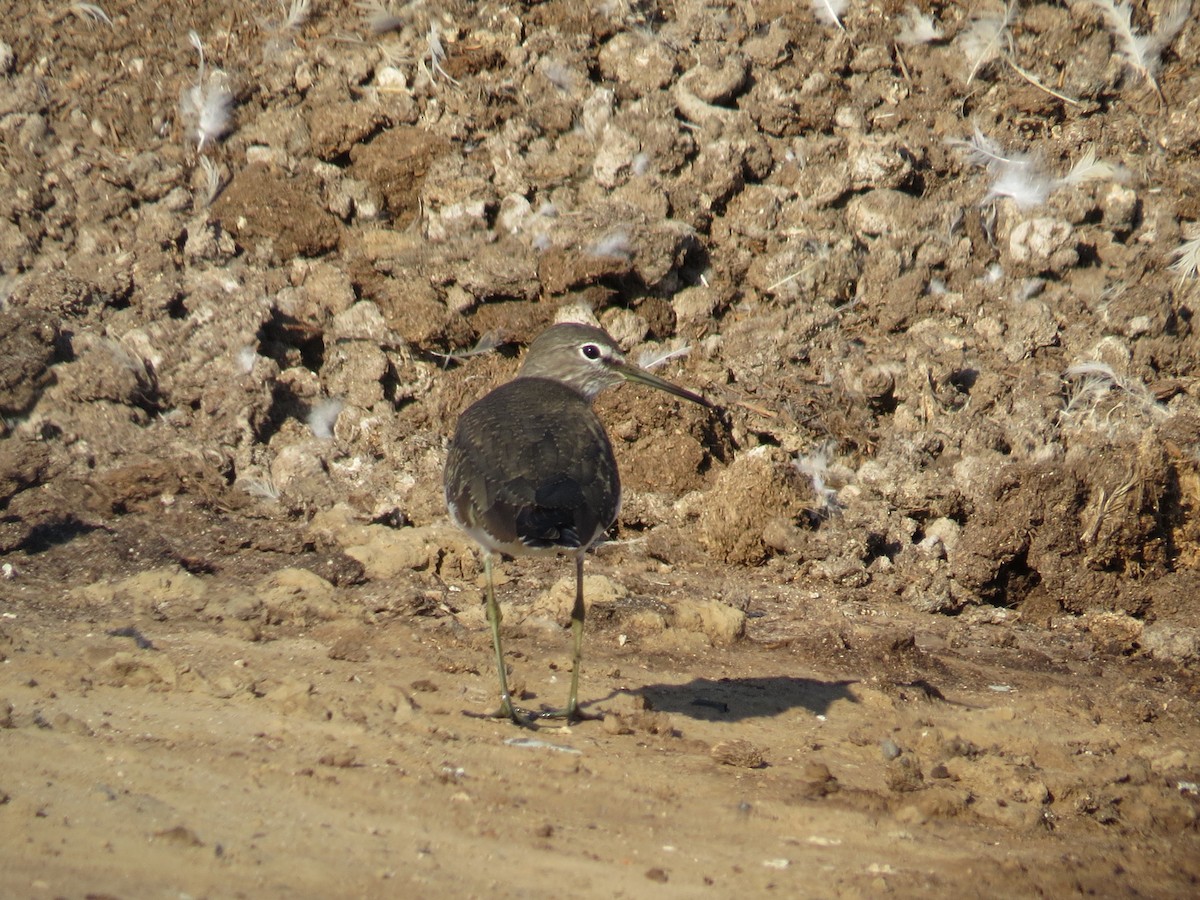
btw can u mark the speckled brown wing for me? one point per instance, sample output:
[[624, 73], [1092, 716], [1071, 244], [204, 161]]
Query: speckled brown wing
[[531, 468]]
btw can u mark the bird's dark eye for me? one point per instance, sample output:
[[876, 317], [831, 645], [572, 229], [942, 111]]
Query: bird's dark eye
[[591, 351]]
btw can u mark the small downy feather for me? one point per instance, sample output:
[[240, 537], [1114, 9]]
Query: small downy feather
[[919, 28], [216, 103], [1088, 382], [488, 343], [614, 245], [1187, 254], [1014, 175], [1089, 168], [1022, 182], [982, 150], [987, 36], [214, 182], [207, 104], [297, 13], [1092, 379], [654, 357], [323, 417], [437, 54], [815, 467], [92, 13], [1143, 52], [380, 17], [830, 11], [1021, 177]]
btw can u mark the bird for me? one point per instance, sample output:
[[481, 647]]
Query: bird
[[530, 471]]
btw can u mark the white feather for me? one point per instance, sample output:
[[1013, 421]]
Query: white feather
[[323, 417], [1092, 379], [1143, 52], [214, 181], [614, 245], [487, 343], [1092, 369], [919, 28], [216, 104], [654, 357], [297, 13], [380, 18], [830, 11], [1024, 184], [987, 36], [1187, 254], [815, 467], [1014, 175], [92, 12], [1089, 168], [437, 54], [1132, 46], [207, 104], [982, 150]]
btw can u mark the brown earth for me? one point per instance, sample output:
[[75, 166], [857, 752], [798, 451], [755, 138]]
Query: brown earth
[[916, 612]]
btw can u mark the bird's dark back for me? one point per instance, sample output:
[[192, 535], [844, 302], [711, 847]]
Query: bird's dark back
[[532, 468]]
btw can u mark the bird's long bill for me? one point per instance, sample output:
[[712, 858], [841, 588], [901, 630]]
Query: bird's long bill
[[638, 375]]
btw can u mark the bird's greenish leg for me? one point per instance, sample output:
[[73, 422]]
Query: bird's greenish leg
[[493, 616], [571, 711], [578, 611]]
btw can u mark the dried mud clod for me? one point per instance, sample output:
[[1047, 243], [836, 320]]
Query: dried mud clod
[[759, 490]]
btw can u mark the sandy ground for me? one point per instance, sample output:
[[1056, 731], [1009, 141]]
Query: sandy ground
[[913, 612]]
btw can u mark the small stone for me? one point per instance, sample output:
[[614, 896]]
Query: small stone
[[389, 78], [349, 648], [180, 836], [1044, 242], [881, 212], [1120, 206]]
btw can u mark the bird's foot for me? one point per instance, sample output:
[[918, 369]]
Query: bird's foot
[[571, 713], [528, 718], [518, 715]]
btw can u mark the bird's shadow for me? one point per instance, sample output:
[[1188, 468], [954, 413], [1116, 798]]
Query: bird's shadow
[[735, 699]]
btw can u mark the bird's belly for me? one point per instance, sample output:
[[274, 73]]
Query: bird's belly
[[515, 548]]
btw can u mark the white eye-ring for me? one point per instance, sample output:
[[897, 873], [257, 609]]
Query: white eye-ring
[[591, 351]]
